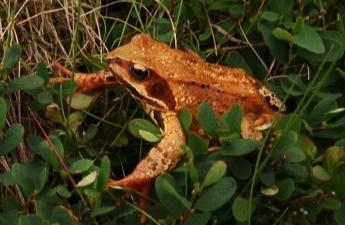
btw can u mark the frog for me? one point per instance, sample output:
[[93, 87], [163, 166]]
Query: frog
[[164, 81]]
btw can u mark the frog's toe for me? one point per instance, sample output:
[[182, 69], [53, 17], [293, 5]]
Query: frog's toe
[[142, 187]]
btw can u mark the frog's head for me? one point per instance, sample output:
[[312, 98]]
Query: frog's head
[[137, 67]]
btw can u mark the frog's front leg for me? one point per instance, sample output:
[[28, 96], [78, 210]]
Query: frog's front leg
[[162, 158], [85, 81]]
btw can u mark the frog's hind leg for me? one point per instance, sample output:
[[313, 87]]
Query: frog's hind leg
[[161, 158], [85, 81]]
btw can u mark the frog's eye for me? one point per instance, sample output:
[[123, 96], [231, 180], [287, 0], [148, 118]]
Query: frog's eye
[[139, 71]]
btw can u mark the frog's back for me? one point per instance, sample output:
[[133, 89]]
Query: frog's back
[[193, 80]]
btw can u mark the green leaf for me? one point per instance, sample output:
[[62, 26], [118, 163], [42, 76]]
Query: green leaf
[[91, 131], [282, 34], [235, 59], [339, 215], [120, 141], [61, 216], [11, 57], [337, 183], [101, 210], [42, 148], [333, 113], [88, 179], [279, 49], [80, 166], [42, 71], [205, 35], [334, 48], [216, 172], [9, 217], [293, 85], [67, 87], [240, 167], [79, 101], [75, 119], [142, 128], [219, 5], [29, 220], [309, 39], [30, 176], [236, 9], [165, 37], [294, 154], [198, 144], [234, 119], [148, 136], [186, 119], [333, 157], [307, 145], [330, 203], [207, 119], [53, 114], [217, 195], [241, 209], [10, 203], [286, 189], [285, 141], [239, 147], [28, 82], [295, 169], [320, 173], [43, 178], [43, 209], [269, 191], [291, 122], [3, 113], [194, 173], [320, 110], [44, 98], [270, 16], [298, 26], [268, 177], [6, 178], [11, 138], [281, 6], [168, 195], [104, 174], [63, 191], [198, 218]]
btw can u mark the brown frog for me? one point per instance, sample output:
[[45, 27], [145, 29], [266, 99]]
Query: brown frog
[[165, 80]]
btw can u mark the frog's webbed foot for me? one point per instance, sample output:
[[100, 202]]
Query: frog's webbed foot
[[85, 81], [161, 158]]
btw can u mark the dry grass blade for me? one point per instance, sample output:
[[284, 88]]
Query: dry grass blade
[[44, 29]]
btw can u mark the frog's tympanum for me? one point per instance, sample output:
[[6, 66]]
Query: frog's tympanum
[[165, 80]]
